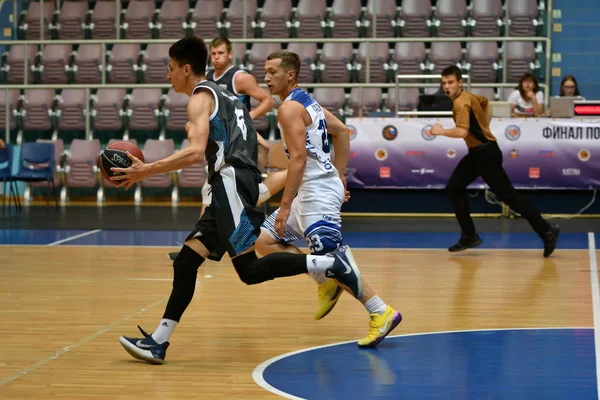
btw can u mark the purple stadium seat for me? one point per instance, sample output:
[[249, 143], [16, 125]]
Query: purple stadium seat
[[15, 63], [451, 18], [138, 16], [408, 99], [370, 101], [194, 176], [72, 20], [82, 163], [345, 15], [32, 26], [156, 62], [155, 150], [207, 18], [385, 12], [275, 18], [330, 99], [144, 105], [37, 106], [173, 15], [487, 17], [235, 18], [310, 17], [444, 54], [123, 63], [13, 100], [70, 110], [408, 58], [336, 58], [482, 56], [176, 111], [414, 18], [103, 20], [55, 57], [88, 64], [522, 14], [519, 56], [107, 109], [379, 54]]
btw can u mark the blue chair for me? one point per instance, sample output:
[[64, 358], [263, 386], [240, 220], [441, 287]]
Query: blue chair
[[6, 176], [37, 164]]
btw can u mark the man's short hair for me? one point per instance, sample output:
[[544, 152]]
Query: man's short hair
[[453, 70], [220, 41], [289, 60], [190, 50]]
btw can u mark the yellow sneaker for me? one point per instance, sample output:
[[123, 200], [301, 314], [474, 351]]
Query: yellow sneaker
[[380, 327], [329, 293]]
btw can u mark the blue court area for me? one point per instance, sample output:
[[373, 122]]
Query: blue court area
[[500, 364], [390, 240]]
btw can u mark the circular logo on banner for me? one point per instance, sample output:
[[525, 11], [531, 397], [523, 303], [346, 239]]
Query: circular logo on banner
[[584, 155], [426, 133], [512, 132], [514, 153], [451, 153], [352, 132], [389, 132], [381, 154]]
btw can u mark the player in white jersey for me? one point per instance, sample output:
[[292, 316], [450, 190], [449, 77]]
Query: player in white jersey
[[315, 189]]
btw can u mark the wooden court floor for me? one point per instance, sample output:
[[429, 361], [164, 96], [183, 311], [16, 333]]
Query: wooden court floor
[[63, 309]]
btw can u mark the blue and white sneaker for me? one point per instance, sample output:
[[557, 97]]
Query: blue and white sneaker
[[345, 270], [145, 349]]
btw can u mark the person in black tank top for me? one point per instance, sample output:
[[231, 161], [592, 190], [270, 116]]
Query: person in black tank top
[[221, 129]]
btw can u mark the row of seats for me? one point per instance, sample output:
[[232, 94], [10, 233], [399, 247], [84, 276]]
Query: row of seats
[[333, 63], [150, 112], [78, 167], [280, 19]]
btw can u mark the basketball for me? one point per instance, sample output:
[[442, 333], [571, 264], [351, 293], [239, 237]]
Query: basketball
[[115, 156]]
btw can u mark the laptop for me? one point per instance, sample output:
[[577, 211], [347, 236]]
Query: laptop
[[562, 107], [501, 109]]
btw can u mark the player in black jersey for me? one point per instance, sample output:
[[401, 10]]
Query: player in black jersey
[[244, 86], [221, 130]]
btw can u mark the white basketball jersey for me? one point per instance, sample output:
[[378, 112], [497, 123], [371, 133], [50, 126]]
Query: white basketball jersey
[[321, 181]]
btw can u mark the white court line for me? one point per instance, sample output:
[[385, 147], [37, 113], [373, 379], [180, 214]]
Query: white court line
[[257, 374], [86, 339], [74, 237], [305, 248], [595, 303]]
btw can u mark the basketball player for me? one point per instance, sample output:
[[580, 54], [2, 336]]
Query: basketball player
[[221, 130], [472, 117], [315, 189], [243, 85]]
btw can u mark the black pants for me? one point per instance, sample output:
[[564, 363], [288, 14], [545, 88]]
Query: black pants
[[486, 161]]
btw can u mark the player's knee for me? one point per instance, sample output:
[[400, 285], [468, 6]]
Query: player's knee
[[185, 266], [245, 268], [324, 240]]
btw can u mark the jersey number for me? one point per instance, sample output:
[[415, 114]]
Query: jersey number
[[324, 136], [241, 123]]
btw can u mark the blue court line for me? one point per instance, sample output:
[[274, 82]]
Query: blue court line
[[391, 240]]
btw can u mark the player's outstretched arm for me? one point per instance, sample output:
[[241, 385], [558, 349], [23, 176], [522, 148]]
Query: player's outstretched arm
[[199, 109]]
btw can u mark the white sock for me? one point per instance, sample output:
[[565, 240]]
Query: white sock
[[164, 331], [320, 277], [375, 305], [318, 264]]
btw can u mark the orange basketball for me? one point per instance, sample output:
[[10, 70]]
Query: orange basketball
[[115, 156]]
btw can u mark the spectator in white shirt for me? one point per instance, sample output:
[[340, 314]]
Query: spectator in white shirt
[[527, 100]]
